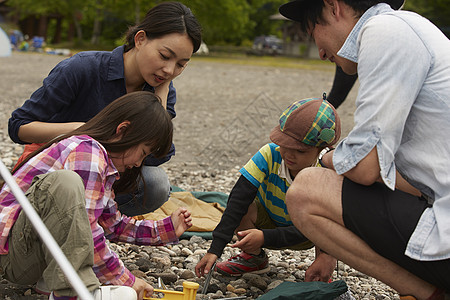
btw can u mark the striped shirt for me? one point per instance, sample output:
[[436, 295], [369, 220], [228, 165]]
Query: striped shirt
[[89, 159], [263, 172]]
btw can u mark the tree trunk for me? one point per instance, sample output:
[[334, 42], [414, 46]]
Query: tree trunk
[[96, 31], [57, 36], [76, 18]]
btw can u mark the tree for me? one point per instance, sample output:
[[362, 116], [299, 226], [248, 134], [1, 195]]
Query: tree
[[69, 9], [261, 13], [224, 21]]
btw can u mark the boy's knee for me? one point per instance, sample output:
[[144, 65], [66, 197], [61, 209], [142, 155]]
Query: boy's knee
[[252, 213]]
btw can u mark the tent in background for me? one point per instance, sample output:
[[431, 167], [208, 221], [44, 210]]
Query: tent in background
[[5, 45]]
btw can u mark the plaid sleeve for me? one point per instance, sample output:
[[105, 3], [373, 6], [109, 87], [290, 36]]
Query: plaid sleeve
[[90, 161], [140, 232]]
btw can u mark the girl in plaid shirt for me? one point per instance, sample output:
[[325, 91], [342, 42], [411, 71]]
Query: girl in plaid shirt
[[71, 182]]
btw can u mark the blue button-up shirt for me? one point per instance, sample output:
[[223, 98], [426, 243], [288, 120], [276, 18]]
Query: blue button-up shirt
[[403, 108], [77, 89]]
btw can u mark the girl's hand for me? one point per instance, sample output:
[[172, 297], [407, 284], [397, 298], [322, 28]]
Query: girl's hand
[[182, 220], [142, 288], [250, 240], [203, 267]]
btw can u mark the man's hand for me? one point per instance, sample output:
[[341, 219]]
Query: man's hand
[[250, 241], [203, 267], [182, 220], [321, 269], [142, 288]]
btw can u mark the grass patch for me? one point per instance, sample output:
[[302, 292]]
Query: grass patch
[[266, 61]]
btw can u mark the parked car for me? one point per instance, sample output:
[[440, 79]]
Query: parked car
[[267, 45]]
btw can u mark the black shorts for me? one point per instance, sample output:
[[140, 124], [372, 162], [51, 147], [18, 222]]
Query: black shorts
[[385, 220]]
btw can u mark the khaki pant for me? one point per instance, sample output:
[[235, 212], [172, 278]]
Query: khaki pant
[[59, 199]]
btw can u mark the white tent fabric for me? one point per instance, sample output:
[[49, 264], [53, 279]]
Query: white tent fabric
[[5, 45]]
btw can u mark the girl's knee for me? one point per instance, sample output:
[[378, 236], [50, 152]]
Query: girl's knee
[[65, 187]]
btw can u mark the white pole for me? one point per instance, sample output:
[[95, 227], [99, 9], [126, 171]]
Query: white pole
[[46, 236]]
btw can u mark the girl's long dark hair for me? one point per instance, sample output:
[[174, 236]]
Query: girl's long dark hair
[[149, 123], [167, 18]]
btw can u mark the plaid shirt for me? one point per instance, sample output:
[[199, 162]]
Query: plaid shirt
[[89, 159]]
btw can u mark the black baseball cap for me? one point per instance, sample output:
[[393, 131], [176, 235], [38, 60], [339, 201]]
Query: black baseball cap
[[290, 9]]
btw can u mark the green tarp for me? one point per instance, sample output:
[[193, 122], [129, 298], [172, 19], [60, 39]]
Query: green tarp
[[208, 197], [316, 290]]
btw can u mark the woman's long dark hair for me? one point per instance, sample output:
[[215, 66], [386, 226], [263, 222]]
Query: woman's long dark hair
[[149, 123], [167, 18]]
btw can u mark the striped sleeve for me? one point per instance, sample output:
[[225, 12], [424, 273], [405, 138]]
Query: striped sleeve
[[257, 168]]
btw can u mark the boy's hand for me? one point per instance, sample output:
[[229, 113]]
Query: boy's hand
[[142, 288], [182, 220], [203, 267], [250, 240], [321, 269]]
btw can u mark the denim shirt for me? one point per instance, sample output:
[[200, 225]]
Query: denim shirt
[[403, 108]]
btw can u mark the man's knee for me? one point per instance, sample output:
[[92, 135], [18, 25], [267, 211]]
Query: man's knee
[[303, 189]]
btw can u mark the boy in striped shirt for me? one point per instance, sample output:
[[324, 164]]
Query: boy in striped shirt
[[256, 209]]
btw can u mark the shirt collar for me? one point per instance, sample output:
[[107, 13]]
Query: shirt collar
[[116, 69], [350, 48], [283, 172]]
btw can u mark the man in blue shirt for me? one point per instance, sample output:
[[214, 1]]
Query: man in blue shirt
[[383, 207]]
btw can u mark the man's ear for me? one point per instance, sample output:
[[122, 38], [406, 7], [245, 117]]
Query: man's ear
[[334, 7], [139, 38], [122, 128]]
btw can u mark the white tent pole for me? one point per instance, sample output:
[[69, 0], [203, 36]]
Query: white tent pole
[[46, 236]]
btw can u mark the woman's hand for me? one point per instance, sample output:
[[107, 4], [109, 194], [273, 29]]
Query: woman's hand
[[181, 220], [162, 91]]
